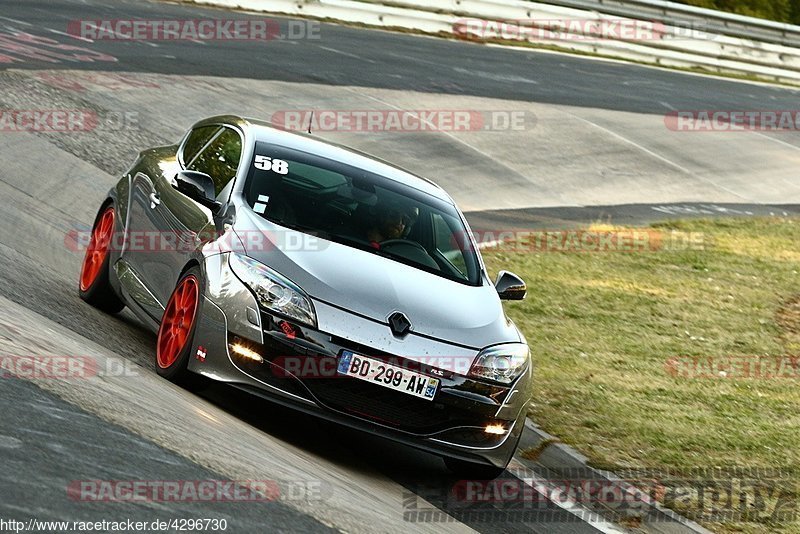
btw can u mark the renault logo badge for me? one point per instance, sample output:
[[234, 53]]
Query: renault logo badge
[[399, 324]]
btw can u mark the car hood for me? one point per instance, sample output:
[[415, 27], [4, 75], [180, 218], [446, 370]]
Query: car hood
[[375, 287]]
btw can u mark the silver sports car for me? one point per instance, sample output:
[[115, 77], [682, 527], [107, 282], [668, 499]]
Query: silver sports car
[[320, 278]]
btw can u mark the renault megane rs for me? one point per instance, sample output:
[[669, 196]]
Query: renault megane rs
[[320, 278]]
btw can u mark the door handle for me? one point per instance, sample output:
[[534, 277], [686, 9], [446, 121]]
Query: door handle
[[154, 200]]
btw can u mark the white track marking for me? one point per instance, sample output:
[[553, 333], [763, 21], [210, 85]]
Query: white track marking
[[658, 156], [17, 21], [787, 182], [784, 143], [346, 54], [416, 59], [122, 37], [541, 486], [513, 78], [448, 134], [84, 39]]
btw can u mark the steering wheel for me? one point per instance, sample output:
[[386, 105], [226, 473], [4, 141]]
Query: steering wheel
[[410, 250]]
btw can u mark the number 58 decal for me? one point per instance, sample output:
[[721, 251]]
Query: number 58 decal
[[266, 163]]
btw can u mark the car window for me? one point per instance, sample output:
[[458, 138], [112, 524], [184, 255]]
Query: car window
[[358, 208], [196, 141], [220, 158]]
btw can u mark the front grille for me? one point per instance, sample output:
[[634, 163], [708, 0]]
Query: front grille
[[393, 408], [360, 398]]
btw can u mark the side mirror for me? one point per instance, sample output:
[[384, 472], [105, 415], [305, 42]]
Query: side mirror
[[199, 187], [510, 286]]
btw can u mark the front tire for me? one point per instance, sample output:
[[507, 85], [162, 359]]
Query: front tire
[[176, 332], [93, 285]]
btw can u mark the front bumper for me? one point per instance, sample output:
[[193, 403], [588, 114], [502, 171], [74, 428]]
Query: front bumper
[[297, 368]]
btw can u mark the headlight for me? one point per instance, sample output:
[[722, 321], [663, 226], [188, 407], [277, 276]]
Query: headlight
[[501, 363], [273, 291]]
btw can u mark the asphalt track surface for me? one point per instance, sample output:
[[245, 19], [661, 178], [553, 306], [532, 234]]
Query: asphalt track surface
[[396, 61], [594, 131], [139, 426]]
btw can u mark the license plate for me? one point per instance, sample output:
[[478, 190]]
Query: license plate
[[387, 375]]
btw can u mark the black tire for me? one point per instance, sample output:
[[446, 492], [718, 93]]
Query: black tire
[[471, 470], [94, 286]]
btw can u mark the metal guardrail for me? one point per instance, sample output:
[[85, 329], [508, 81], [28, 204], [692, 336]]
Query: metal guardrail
[[674, 14]]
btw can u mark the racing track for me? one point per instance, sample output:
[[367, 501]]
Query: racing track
[[594, 136]]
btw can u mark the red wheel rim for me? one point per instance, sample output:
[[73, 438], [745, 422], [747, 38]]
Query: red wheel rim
[[98, 249], [173, 334]]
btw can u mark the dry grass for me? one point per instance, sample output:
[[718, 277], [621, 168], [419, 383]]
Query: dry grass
[[604, 326]]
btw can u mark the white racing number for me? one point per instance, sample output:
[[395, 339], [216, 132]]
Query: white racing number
[[265, 163]]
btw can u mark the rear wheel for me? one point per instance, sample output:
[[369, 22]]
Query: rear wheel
[[93, 285], [175, 335]]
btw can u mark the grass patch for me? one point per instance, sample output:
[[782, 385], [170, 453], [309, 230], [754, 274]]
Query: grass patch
[[604, 326], [533, 453]]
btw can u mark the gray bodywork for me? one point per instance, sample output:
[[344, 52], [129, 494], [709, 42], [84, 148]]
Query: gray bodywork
[[353, 291]]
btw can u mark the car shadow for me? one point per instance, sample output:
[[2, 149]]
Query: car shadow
[[430, 493]]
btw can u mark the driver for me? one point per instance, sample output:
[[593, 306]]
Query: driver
[[392, 222]]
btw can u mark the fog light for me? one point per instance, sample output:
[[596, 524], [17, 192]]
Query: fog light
[[245, 352], [495, 429]]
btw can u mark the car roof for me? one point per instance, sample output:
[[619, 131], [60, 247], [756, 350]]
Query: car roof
[[267, 132]]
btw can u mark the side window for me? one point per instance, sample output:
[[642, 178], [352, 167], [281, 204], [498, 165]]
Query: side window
[[196, 141], [220, 159]]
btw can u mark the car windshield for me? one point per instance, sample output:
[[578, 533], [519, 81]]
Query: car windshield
[[348, 205]]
